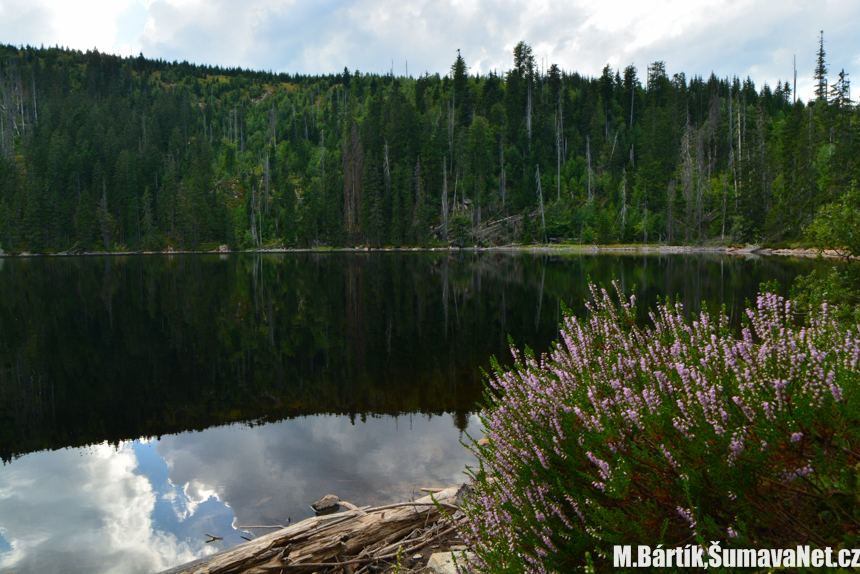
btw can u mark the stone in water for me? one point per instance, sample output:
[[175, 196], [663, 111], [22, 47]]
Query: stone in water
[[326, 504]]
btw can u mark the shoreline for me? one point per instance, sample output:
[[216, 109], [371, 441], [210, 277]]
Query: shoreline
[[737, 251]]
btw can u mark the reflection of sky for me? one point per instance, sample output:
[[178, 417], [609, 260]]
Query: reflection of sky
[[271, 473], [145, 506], [188, 518], [98, 509]]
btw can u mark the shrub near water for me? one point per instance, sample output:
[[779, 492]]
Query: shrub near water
[[676, 434]]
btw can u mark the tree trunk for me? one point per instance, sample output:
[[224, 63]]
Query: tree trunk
[[315, 543]]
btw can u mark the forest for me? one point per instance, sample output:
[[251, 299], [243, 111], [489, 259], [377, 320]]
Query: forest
[[100, 152]]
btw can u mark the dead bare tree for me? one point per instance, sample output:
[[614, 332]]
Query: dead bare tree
[[558, 155], [322, 161], [540, 196], [268, 181], [445, 197], [588, 162], [353, 169], [502, 176], [529, 113], [622, 213]]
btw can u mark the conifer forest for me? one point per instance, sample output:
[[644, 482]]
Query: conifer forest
[[100, 152]]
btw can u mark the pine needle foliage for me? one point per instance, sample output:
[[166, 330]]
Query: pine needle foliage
[[680, 159]]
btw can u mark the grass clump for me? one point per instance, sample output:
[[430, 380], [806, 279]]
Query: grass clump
[[678, 433]]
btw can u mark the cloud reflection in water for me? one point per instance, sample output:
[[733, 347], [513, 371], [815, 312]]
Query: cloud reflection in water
[[85, 510], [145, 506], [273, 472]]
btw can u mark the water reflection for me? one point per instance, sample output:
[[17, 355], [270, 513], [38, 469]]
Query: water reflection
[[95, 349], [147, 506], [88, 510], [272, 473], [346, 357]]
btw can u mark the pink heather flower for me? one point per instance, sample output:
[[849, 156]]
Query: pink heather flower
[[736, 447], [687, 515], [668, 456], [659, 393], [604, 470], [798, 473]]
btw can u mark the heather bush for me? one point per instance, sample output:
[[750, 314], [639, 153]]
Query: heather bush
[[677, 433], [841, 290]]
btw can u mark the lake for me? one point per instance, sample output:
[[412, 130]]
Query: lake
[[147, 401]]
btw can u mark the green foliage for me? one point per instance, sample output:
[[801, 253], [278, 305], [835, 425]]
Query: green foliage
[[559, 219], [461, 229], [679, 433], [86, 220], [837, 225], [5, 228], [299, 153], [528, 232], [840, 290]]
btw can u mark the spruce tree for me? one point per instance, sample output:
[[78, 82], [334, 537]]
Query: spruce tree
[[458, 74], [462, 101], [820, 72], [524, 60]]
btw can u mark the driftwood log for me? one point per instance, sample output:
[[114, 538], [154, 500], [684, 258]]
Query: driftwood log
[[349, 541]]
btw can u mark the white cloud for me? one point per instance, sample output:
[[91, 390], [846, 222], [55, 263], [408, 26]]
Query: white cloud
[[729, 37], [81, 25]]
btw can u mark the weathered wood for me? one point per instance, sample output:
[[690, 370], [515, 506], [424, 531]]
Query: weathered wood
[[323, 541]]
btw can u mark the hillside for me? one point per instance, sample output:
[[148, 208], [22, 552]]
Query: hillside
[[101, 152]]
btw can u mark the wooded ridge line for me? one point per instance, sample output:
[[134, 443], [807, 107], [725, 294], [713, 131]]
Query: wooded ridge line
[[135, 154]]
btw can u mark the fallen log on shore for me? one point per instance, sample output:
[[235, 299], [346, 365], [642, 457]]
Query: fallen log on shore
[[348, 541]]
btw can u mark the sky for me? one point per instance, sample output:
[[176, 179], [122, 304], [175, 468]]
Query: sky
[[755, 38]]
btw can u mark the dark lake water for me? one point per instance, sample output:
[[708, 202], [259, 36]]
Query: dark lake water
[[148, 400]]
